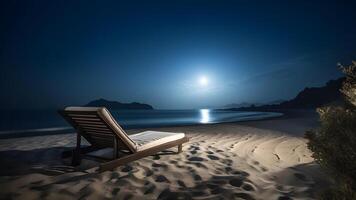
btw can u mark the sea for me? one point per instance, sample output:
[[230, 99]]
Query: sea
[[37, 122]]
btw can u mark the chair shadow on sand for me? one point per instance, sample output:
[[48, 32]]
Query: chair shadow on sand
[[48, 161]]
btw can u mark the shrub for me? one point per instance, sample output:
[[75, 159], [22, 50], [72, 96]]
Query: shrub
[[349, 86], [334, 143]]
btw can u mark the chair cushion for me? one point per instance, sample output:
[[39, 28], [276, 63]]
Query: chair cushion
[[148, 139]]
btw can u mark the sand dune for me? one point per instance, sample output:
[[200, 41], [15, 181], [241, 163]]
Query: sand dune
[[225, 161]]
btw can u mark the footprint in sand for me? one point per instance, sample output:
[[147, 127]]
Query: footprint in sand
[[173, 161], [244, 196], [279, 188], [213, 157], [210, 152], [255, 163], [167, 194], [228, 169], [237, 182], [195, 158], [217, 190], [253, 150], [242, 173], [156, 157], [264, 169], [161, 178], [150, 189], [227, 162], [115, 175], [181, 183], [194, 148], [248, 187], [159, 165], [200, 165], [211, 186], [284, 198], [219, 180], [149, 173], [197, 177], [193, 152], [127, 168]]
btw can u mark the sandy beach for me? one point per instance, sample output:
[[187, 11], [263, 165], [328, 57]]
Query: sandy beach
[[265, 159]]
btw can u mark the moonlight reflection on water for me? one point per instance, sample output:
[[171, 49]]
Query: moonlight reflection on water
[[204, 116]]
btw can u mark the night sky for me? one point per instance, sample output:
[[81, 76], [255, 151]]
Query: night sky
[[57, 53]]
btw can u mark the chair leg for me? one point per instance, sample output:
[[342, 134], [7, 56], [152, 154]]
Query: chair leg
[[116, 150], [180, 148], [76, 152]]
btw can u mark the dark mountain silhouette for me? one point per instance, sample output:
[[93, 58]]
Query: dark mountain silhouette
[[245, 104], [278, 101], [239, 105], [119, 106], [308, 98]]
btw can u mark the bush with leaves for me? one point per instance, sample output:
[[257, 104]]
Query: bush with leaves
[[334, 143]]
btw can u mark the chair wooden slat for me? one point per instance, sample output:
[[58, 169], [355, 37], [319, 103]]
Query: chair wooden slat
[[83, 116], [100, 134], [89, 122], [86, 119], [86, 128], [92, 125]]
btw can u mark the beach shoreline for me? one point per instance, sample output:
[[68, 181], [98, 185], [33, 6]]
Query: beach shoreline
[[285, 114], [248, 160]]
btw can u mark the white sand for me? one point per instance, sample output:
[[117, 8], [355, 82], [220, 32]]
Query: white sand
[[225, 161]]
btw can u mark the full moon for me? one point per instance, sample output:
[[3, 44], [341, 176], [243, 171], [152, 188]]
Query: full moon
[[203, 81]]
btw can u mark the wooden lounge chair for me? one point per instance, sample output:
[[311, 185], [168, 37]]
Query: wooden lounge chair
[[101, 130]]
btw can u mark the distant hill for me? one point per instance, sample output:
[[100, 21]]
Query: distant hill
[[275, 102], [308, 98], [238, 105], [245, 104], [119, 106]]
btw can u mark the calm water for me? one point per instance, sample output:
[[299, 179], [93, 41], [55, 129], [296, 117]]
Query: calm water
[[22, 121]]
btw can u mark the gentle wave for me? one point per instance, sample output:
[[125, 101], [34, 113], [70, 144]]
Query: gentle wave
[[43, 123], [37, 130]]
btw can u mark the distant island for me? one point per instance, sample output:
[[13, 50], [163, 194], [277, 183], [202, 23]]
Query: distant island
[[309, 98], [114, 105]]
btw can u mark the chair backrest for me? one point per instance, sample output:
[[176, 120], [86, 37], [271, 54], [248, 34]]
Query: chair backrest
[[98, 127]]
